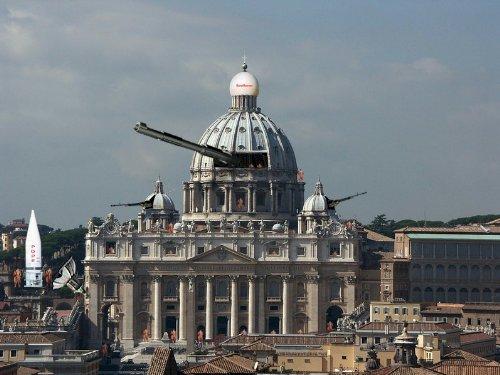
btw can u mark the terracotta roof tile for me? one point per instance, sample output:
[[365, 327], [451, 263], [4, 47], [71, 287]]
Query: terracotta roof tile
[[468, 337], [403, 370], [30, 338], [412, 327], [228, 364], [471, 368], [163, 362], [473, 228]]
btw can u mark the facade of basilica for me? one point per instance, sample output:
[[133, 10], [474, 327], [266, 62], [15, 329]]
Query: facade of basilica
[[248, 253]]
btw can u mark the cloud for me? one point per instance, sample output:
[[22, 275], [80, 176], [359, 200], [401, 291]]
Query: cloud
[[423, 69]]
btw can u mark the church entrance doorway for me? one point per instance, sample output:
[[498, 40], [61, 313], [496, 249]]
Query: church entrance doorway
[[170, 323], [332, 314], [273, 324], [221, 326]]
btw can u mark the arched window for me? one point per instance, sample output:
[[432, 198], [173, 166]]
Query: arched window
[[301, 290], [200, 290], [487, 273], [220, 200], [110, 289], [428, 294], [416, 272], [428, 272], [475, 273], [474, 295], [463, 295], [452, 295], [334, 289], [452, 272], [240, 200], [463, 273], [440, 274], [222, 288], [440, 295], [171, 288], [417, 294], [486, 295], [496, 295], [144, 290], [496, 274], [273, 289], [260, 200]]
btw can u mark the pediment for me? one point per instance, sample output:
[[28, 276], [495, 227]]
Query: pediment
[[222, 254]]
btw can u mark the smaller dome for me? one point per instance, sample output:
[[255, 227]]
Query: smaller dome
[[160, 200], [316, 203], [244, 83]]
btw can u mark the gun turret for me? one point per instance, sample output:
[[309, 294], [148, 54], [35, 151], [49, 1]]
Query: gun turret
[[333, 203], [210, 151]]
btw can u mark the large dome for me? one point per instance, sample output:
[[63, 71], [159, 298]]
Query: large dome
[[245, 130]]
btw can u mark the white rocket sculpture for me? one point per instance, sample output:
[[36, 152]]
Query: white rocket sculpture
[[33, 273]]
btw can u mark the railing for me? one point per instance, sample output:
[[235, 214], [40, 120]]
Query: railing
[[273, 299]]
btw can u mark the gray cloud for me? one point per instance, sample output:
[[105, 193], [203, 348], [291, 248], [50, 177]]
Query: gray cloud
[[365, 107]]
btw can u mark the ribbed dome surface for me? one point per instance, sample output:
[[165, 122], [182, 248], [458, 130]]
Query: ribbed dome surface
[[316, 203], [161, 201], [247, 132]]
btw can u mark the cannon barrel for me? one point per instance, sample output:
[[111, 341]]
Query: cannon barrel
[[210, 151]]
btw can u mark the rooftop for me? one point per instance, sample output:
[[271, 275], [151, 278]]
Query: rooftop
[[30, 338], [227, 364], [473, 228], [417, 327], [468, 337], [375, 236]]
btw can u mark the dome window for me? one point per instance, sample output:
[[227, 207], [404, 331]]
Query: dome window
[[241, 147], [216, 130], [228, 130], [242, 129]]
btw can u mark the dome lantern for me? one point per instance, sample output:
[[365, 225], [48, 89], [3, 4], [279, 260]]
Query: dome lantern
[[244, 89]]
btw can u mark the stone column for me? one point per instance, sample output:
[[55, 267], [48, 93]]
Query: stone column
[[251, 304], [190, 312], [128, 310], [286, 304], [93, 314], [205, 198], [249, 199], [209, 198], [182, 308], [274, 198], [157, 331], [234, 305], [185, 196], [230, 199], [254, 198], [262, 304], [209, 298], [191, 198], [312, 303]]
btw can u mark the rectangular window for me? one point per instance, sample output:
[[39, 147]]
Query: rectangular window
[[273, 251], [377, 340], [244, 290], [478, 321], [469, 321], [170, 307], [301, 251], [36, 352], [415, 311], [273, 308], [144, 250], [334, 249], [396, 310], [386, 310], [307, 360], [201, 307], [13, 353], [243, 308], [243, 250], [344, 357], [405, 310], [289, 360], [200, 250], [170, 249], [455, 321], [1, 353], [364, 340], [110, 248]]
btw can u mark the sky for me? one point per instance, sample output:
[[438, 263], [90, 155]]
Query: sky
[[401, 99]]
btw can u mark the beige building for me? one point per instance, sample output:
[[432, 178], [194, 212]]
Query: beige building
[[6, 242], [460, 264], [396, 311], [248, 255]]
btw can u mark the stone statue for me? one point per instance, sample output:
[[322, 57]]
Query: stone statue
[[192, 227], [262, 226], [200, 336], [17, 277], [48, 277], [250, 225], [173, 336], [329, 326], [130, 226], [91, 226], [235, 226], [223, 224], [145, 335], [285, 226], [208, 224]]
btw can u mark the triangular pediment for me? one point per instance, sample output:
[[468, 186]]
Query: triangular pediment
[[222, 254]]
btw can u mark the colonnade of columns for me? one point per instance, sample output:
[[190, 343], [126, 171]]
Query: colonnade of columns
[[256, 302], [206, 191]]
